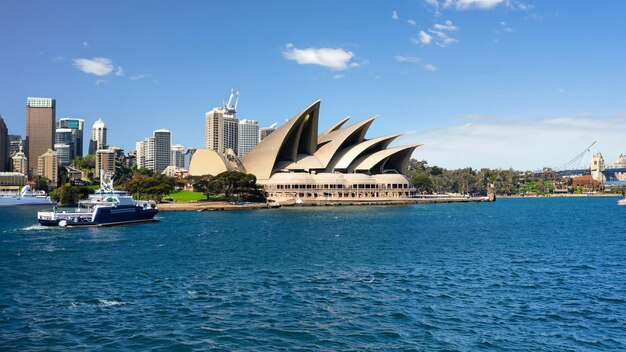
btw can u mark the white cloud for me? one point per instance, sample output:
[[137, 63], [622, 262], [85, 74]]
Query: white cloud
[[335, 59], [476, 4], [416, 61], [411, 22], [409, 59], [100, 82], [439, 33], [423, 38], [119, 71], [339, 76], [446, 26], [98, 66], [394, 15], [530, 144]]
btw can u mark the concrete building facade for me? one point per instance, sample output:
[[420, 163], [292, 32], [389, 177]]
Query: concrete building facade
[[266, 131], [248, 136], [105, 160], [178, 155], [20, 162], [48, 166], [98, 137], [162, 149], [40, 126], [63, 152]]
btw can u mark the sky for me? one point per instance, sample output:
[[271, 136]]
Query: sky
[[481, 83]]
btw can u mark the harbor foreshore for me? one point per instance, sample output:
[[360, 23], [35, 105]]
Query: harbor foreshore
[[216, 206]]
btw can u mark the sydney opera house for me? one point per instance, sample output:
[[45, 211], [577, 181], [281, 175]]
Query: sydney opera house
[[340, 164]]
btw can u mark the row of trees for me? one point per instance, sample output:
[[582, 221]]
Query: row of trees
[[229, 185], [433, 179]]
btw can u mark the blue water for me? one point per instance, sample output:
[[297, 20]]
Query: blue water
[[514, 275]]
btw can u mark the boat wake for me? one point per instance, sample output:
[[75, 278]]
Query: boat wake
[[36, 228]]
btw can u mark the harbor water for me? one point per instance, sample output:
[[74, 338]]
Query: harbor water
[[514, 275]]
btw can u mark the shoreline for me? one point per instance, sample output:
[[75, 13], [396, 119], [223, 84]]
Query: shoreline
[[226, 206]]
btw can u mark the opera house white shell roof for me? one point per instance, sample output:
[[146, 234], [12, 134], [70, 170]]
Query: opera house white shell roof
[[296, 153]]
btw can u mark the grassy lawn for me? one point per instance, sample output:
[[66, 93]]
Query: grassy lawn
[[186, 196]]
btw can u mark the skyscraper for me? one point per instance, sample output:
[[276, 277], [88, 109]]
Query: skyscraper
[[98, 137], [248, 136], [222, 126], [63, 153], [40, 121], [75, 127], [4, 146], [178, 155], [162, 149], [145, 153], [214, 130]]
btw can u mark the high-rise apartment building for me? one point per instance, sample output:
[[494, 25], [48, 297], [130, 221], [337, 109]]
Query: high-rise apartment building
[[40, 121], [214, 130], [222, 126], [162, 149], [145, 153], [178, 156], [48, 166], [266, 131], [4, 146], [73, 129], [248, 136], [105, 161], [98, 137]]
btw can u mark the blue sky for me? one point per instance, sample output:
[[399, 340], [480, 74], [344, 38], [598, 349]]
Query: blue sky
[[482, 83]]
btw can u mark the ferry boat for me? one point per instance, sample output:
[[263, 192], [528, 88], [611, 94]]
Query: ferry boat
[[105, 207], [25, 197]]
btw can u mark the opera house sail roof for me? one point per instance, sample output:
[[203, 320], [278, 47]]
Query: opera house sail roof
[[296, 147]]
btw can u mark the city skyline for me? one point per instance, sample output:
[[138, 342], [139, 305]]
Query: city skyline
[[480, 83]]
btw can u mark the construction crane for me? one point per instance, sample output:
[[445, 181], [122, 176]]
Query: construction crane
[[577, 159], [234, 93]]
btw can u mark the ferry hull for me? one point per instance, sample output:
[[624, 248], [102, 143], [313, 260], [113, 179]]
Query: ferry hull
[[104, 217]]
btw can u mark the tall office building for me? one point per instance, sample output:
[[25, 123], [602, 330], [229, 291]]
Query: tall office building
[[4, 146], [48, 166], [162, 149], [40, 121], [266, 131], [105, 161], [248, 136], [73, 127], [178, 156], [98, 137]]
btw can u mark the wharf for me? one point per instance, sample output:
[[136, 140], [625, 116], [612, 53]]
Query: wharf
[[216, 206]]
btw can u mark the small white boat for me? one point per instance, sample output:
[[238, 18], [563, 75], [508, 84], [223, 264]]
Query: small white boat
[[25, 197], [622, 201]]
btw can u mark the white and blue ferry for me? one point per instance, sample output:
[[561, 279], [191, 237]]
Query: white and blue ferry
[[105, 207]]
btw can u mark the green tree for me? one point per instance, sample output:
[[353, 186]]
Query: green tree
[[422, 183], [232, 185]]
